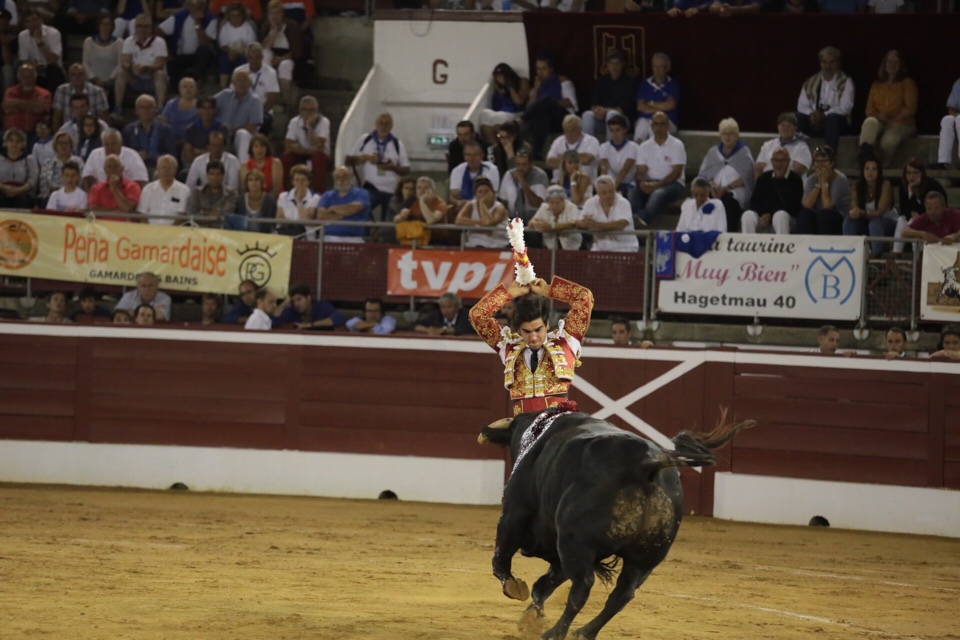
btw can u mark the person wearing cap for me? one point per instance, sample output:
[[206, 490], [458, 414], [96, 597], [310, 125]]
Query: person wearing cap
[[613, 93]]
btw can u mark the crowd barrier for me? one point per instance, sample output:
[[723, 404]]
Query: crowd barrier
[[758, 278]]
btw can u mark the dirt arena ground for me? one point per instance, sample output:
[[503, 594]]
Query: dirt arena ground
[[87, 563]]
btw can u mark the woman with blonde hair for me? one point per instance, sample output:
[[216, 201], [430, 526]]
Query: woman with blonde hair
[[729, 168], [51, 173], [575, 183]]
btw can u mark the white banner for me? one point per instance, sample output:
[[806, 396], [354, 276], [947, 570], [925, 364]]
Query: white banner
[[770, 276], [939, 290]]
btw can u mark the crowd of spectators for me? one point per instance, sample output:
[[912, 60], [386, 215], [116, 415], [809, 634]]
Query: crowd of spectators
[[613, 166], [61, 113]]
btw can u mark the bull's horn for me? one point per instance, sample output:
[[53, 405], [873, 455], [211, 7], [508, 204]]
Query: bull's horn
[[499, 424]]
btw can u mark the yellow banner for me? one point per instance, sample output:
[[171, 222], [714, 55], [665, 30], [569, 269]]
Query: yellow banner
[[184, 258]]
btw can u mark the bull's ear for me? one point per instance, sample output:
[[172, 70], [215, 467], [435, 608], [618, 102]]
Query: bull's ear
[[499, 432]]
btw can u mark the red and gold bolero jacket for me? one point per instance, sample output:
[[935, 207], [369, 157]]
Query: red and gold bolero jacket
[[548, 385]]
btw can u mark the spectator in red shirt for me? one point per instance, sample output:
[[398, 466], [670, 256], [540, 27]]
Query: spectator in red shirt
[[938, 224], [116, 193], [25, 104]]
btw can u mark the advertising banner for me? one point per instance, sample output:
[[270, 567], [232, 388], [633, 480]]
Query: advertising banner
[[939, 289], [427, 272], [770, 276], [184, 258]]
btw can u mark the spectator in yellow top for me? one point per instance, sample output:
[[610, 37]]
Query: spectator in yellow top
[[891, 107]]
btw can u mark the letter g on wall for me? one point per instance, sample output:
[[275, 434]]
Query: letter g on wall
[[439, 76]]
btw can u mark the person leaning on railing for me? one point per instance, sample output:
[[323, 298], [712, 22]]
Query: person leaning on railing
[[166, 197], [115, 193], [426, 208]]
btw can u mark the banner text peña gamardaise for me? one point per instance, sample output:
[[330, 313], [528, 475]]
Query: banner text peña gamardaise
[[197, 254]]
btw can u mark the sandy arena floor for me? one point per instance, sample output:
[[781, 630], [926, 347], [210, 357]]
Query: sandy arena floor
[[86, 563]]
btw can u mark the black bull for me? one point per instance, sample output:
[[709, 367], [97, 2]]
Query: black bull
[[584, 496]]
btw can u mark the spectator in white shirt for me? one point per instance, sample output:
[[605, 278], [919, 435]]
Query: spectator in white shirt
[[143, 63], [383, 161], [193, 35], [557, 220], [42, 45], [236, 34], [826, 100], [308, 141], [133, 167], [661, 161], [609, 211], [465, 174], [166, 197], [800, 157], [618, 155], [261, 319], [701, 212], [69, 197], [574, 139], [197, 176]]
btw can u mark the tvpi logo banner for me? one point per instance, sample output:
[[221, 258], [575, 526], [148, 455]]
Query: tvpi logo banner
[[184, 258], [810, 277]]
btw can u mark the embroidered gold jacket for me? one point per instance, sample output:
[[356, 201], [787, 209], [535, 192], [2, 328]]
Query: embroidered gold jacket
[[548, 385]]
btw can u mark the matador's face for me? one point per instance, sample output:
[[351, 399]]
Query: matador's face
[[533, 333]]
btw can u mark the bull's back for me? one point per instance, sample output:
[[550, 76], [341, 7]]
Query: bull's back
[[602, 480]]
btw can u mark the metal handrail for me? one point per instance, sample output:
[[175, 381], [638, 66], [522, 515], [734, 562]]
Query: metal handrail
[[649, 305]]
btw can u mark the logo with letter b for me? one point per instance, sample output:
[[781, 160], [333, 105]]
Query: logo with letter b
[[831, 277]]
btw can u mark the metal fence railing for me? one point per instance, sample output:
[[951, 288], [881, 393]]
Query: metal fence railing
[[622, 282]]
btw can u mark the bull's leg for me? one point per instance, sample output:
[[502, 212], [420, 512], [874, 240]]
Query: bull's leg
[[631, 577], [578, 561], [544, 587], [532, 622], [509, 538]]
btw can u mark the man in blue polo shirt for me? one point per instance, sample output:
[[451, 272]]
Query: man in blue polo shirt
[[306, 313], [344, 202], [196, 139], [242, 111], [659, 92], [148, 136]]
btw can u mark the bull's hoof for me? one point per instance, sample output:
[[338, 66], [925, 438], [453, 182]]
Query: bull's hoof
[[532, 623], [516, 589], [580, 635]]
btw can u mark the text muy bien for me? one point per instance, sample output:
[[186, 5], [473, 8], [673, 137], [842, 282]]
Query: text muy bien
[[195, 255]]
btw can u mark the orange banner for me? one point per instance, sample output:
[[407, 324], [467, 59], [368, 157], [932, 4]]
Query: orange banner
[[428, 272]]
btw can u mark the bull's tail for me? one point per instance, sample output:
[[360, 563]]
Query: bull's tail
[[696, 449]]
